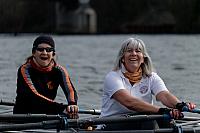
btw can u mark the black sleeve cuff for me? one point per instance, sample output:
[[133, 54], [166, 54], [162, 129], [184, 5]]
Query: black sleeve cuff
[[162, 111], [72, 103], [180, 106]]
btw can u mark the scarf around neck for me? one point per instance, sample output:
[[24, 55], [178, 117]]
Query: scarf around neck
[[42, 69], [133, 77]]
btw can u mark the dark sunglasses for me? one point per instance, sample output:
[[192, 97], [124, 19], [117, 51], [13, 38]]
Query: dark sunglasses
[[47, 49]]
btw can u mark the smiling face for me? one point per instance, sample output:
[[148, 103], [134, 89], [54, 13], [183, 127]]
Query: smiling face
[[43, 54], [133, 58]]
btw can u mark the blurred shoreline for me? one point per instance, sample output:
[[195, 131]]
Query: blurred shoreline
[[100, 17]]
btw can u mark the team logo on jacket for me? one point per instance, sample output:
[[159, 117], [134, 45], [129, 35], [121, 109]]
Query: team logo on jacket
[[143, 89], [50, 85]]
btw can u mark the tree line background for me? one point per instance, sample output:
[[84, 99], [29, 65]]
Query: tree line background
[[113, 16]]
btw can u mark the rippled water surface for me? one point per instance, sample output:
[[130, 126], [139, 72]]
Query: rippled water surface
[[88, 59]]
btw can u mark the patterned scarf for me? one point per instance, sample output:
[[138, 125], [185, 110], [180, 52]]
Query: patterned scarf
[[134, 77], [42, 69]]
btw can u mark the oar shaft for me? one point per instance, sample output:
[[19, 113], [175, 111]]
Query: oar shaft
[[61, 122], [27, 117], [81, 111], [112, 120], [94, 120], [6, 111], [195, 110], [54, 124], [188, 123], [7, 103]]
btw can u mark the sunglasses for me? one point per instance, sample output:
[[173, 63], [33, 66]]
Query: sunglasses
[[46, 49]]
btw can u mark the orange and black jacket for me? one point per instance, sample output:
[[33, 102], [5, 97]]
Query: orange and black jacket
[[36, 90]]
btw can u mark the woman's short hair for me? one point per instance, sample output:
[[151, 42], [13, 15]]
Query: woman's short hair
[[147, 66]]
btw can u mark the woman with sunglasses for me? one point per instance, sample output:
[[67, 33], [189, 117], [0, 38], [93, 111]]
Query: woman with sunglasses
[[38, 81]]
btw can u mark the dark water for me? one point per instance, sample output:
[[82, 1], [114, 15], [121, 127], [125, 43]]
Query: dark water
[[88, 59]]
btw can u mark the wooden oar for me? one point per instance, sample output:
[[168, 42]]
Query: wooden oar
[[81, 111]]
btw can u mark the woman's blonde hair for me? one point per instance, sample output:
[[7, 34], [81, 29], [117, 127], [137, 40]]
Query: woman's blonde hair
[[147, 66]]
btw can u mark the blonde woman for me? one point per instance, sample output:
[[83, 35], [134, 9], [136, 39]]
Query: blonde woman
[[131, 85]]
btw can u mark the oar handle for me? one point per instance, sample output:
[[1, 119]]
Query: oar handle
[[90, 111], [195, 110], [167, 117]]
